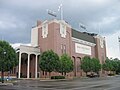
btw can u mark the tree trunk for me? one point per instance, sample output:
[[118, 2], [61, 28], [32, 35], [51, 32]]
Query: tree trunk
[[86, 74], [62, 73], [49, 74], [2, 75], [45, 74]]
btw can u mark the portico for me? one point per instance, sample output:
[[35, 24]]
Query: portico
[[28, 61]]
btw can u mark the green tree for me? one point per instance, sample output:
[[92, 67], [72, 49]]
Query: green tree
[[8, 58], [66, 64], [118, 65], [86, 64], [96, 66], [115, 65], [108, 65], [49, 61], [112, 65]]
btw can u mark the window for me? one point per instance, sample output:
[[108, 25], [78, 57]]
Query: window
[[44, 30], [63, 48], [63, 30]]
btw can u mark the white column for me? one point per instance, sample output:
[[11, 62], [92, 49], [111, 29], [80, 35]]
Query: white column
[[28, 66], [19, 71], [36, 66]]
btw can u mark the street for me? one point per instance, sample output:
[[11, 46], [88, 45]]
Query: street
[[104, 83]]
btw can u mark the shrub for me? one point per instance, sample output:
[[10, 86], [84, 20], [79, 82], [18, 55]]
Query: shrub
[[111, 74], [57, 77]]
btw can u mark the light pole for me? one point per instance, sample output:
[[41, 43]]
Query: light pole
[[60, 8], [4, 52]]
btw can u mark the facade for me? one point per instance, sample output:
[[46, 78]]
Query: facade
[[59, 36]]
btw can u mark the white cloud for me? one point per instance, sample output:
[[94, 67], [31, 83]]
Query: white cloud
[[5, 25], [18, 16], [113, 45], [108, 20], [31, 4], [10, 21]]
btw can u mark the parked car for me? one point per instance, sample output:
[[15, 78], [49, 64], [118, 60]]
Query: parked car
[[92, 75]]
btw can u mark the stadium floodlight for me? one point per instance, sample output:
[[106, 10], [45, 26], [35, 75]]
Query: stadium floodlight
[[82, 26], [52, 13]]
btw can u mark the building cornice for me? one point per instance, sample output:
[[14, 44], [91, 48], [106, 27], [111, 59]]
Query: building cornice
[[100, 37], [52, 21], [29, 49], [83, 42]]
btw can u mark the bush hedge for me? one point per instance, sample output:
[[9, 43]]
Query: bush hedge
[[111, 74], [57, 77]]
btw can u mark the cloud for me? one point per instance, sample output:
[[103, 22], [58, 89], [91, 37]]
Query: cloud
[[17, 17], [9, 25], [113, 46]]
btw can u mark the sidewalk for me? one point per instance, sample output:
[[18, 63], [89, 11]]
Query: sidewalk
[[6, 84]]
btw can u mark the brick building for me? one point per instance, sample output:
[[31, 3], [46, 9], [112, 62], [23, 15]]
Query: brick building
[[59, 36]]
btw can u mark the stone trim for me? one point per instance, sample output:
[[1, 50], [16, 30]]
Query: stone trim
[[83, 42]]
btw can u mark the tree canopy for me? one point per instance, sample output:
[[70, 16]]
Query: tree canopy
[[66, 64], [90, 64], [49, 61], [111, 65], [86, 64], [8, 57], [96, 66]]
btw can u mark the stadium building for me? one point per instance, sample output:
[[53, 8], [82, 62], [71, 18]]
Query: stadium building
[[59, 36]]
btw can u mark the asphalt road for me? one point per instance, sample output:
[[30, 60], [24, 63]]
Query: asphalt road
[[104, 83]]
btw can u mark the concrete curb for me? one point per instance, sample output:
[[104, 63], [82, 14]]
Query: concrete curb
[[46, 79], [57, 80]]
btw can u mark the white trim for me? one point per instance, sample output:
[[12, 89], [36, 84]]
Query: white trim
[[29, 49], [36, 64], [34, 36], [62, 21], [54, 20], [44, 29], [83, 42], [62, 30], [19, 68], [28, 66], [99, 36]]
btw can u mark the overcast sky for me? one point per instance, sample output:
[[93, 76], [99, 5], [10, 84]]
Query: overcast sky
[[17, 17]]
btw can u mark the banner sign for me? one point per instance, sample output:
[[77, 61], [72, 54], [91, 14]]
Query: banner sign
[[83, 49]]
